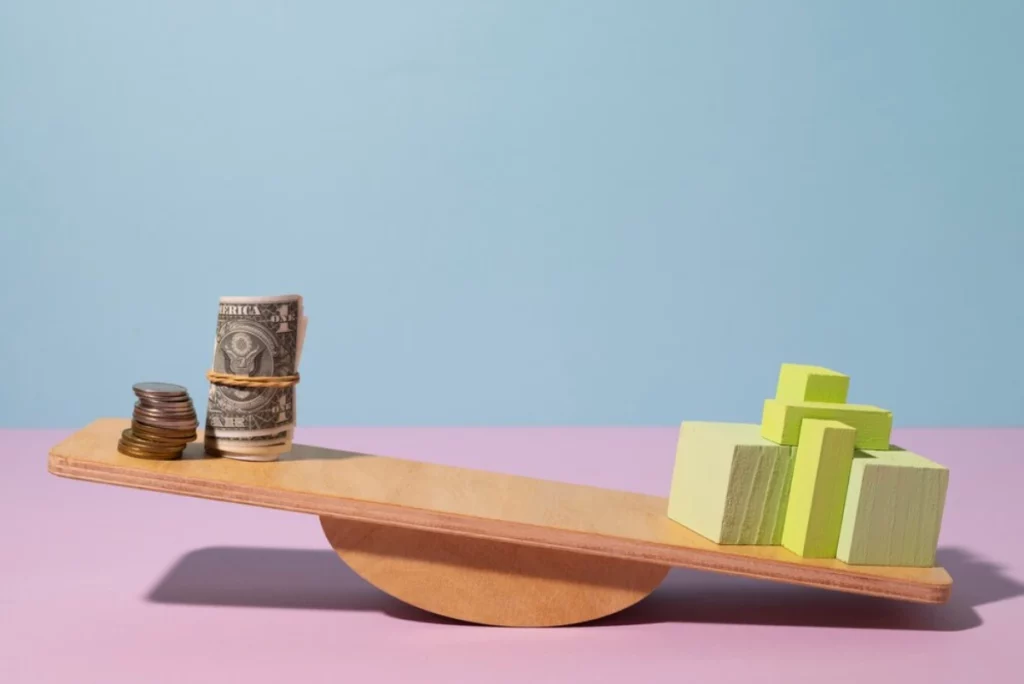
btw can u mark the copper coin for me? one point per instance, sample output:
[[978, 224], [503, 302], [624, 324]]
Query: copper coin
[[176, 425]]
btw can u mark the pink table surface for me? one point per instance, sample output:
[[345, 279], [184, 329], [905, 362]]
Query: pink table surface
[[105, 584]]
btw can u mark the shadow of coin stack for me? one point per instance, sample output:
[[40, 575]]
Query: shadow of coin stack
[[163, 423]]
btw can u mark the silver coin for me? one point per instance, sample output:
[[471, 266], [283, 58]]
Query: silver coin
[[163, 398], [185, 422], [184, 411], [161, 410], [151, 401], [191, 415], [159, 388], [174, 409]]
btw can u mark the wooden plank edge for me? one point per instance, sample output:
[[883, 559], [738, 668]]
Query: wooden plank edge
[[848, 581]]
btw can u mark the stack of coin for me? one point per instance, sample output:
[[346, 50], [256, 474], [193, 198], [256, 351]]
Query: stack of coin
[[164, 421]]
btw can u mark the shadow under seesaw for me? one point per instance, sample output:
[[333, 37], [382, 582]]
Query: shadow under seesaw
[[256, 577], [699, 597], [318, 580]]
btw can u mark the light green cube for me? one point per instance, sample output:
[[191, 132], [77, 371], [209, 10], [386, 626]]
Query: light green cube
[[811, 383], [893, 510], [730, 484]]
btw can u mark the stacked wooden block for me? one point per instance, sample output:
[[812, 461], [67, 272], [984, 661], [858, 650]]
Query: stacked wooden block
[[818, 476]]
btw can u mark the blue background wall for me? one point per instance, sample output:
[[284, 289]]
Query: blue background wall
[[521, 212]]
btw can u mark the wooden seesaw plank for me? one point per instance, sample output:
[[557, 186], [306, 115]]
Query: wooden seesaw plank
[[473, 503]]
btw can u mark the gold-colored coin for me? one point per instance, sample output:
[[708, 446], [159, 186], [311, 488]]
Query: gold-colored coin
[[132, 450], [163, 433], [132, 439], [139, 428], [165, 450], [157, 442], [142, 442], [147, 456]]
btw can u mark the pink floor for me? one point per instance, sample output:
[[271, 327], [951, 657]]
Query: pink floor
[[104, 584]]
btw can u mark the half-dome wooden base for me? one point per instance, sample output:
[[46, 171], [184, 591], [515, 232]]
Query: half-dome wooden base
[[490, 582]]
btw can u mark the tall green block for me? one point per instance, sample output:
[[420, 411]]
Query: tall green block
[[817, 495]]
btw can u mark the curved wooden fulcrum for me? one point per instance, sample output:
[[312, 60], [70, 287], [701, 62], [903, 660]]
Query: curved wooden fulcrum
[[490, 582]]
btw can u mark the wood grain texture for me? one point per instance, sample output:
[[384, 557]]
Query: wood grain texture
[[490, 582], [811, 383], [729, 484], [780, 421], [818, 492], [893, 510], [472, 503]]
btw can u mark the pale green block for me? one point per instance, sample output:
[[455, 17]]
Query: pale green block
[[894, 508], [776, 502], [811, 383], [730, 484], [781, 421]]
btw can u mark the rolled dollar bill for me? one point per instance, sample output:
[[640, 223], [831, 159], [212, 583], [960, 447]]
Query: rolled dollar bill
[[260, 338]]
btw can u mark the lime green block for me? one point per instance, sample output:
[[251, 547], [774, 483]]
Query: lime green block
[[729, 484], [781, 421], [893, 510], [821, 474], [811, 383]]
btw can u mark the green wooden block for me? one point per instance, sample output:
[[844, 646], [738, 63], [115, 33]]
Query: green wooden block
[[821, 474], [893, 510], [781, 421], [811, 383], [730, 484]]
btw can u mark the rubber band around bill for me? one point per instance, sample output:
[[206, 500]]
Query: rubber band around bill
[[253, 381]]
